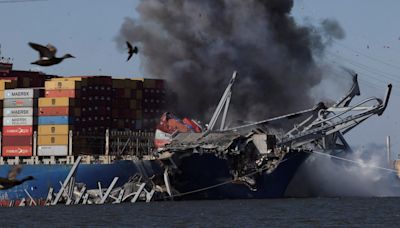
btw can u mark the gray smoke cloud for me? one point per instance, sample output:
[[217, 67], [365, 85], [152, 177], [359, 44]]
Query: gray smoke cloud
[[324, 176], [197, 44]]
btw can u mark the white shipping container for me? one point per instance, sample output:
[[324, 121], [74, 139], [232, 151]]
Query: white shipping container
[[17, 121], [59, 150], [24, 102], [26, 111], [21, 93]]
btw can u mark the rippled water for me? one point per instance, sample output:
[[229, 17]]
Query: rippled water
[[339, 212]]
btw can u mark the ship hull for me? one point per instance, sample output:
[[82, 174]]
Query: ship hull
[[207, 177], [202, 177], [46, 176]]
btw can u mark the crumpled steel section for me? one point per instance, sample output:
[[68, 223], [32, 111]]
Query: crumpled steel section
[[220, 141]]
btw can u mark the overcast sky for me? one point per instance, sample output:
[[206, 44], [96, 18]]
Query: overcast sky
[[87, 29]]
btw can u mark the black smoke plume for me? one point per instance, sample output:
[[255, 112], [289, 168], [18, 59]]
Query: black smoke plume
[[197, 44]]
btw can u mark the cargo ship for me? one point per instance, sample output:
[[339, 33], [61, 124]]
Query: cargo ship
[[114, 125], [48, 121]]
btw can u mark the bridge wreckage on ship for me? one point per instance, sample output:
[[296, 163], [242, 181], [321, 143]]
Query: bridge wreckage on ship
[[255, 160]]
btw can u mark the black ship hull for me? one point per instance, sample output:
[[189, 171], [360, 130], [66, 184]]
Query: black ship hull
[[204, 176]]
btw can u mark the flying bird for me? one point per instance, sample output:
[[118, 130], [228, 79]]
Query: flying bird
[[47, 55], [131, 50], [11, 181]]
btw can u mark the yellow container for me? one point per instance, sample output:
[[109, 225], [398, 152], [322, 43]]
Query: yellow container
[[56, 101], [67, 79], [62, 84], [1, 94], [53, 140], [54, 129], [82, 81], [8, 84]]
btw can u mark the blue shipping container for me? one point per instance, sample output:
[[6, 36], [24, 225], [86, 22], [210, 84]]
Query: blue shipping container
[[55, 120]]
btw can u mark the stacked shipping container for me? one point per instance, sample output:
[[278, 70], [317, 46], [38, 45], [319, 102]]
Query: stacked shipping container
[[5, 84], [57, 112], [126, 105], [153, 103], [19, 121], [96, 102], [80, 106]]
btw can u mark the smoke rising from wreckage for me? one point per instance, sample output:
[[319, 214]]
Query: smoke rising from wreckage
[[195, 44]]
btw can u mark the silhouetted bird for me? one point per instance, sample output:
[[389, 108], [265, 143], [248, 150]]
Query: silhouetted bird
[[11, 181], [131, 50], [47, 55]]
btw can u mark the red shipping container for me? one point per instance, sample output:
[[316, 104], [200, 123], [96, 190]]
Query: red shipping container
[[63, 93], [17, 140], [17, 130], [13, 151], [54, 111]]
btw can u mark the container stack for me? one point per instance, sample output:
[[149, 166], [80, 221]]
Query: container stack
[[153, 103], [5, 84], [19, 121], [126, 105], [96, 104], [81, 104], [57, 113], [96, 101]]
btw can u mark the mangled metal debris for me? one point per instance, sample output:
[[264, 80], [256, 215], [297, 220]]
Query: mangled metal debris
[[252, 151]]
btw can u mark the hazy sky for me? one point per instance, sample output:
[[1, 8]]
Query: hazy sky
[[87, 28], [372, 49]]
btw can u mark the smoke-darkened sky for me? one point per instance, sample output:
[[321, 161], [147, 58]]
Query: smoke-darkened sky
[[196, 45]]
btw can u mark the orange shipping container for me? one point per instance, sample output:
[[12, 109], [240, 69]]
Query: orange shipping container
[[63, 93]]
